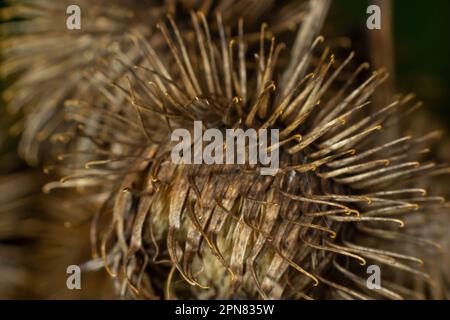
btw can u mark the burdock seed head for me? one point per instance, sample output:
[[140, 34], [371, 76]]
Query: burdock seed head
[[338, 200], [45, 63]]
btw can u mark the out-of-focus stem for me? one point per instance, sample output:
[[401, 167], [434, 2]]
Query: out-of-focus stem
[[382, 55]]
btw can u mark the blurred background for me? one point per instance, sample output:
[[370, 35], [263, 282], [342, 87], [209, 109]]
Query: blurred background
[[421, 46]]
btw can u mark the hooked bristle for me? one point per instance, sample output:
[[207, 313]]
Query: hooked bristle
[[226, 230], [334, 193]]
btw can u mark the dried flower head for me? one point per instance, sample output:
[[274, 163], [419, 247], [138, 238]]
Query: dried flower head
[[339, 199], [41, 54]]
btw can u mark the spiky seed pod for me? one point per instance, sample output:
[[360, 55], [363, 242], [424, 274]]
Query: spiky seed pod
[[228, 231], [40, 53], [435, 226]]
